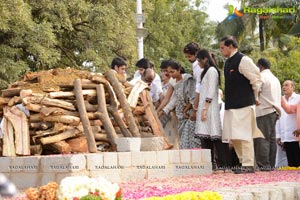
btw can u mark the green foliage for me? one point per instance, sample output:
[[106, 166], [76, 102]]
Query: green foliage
[[46, 34], [171, 25], [90, 197], [284, 64], [43, 34]]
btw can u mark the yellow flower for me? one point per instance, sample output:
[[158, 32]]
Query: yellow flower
[[287, 168], [206, 195]]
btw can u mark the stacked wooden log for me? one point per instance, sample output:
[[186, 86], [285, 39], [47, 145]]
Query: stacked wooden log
[[68, 111]]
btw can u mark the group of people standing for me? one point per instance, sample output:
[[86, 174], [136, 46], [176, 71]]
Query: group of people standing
[[253, 108]]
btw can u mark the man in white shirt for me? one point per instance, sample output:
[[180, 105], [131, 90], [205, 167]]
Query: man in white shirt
[[267, 113], [119, 65], [155, 85], [287, 124]]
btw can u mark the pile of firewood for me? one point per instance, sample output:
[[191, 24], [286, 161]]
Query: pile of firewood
[[68, 111]]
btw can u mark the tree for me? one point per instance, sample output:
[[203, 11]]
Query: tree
[[43, 34], [171, 25]]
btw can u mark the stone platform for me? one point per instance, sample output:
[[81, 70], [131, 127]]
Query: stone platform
[[34, 171]]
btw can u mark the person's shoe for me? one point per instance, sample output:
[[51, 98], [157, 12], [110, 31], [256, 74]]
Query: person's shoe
[[244, 170], [265, 169]]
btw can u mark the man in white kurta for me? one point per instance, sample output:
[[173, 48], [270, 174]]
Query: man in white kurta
[[267, 114], [242, 86]]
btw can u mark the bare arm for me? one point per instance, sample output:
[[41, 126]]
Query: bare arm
[[166, 99]]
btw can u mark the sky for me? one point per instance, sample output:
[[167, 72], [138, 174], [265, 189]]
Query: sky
[[215, 9]]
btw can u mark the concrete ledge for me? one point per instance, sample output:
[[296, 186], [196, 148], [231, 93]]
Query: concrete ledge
[[34, 171]]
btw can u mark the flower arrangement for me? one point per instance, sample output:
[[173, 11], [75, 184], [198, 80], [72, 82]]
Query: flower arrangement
[[206, 195], [85, 188]]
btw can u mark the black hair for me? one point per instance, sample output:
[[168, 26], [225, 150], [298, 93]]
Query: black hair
[[191, 48], [176, 65], [143, 63], [229, 40], [264, 62], [117, 61], [203, 53], [164, 64]]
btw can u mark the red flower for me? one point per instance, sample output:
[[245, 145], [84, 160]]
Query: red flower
[[75, 198]]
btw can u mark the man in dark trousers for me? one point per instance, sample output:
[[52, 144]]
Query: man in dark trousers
[[266, 116]]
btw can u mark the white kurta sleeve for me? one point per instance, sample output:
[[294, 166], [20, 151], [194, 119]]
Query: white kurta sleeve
[[212, 77], [252, 73]]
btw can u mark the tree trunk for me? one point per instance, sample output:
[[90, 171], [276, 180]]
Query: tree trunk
[[261, 34]]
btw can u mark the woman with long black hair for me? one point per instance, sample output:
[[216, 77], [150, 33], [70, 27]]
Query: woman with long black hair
[[208, 122]]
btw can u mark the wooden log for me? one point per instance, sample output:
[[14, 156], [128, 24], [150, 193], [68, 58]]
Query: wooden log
[[35, 117], [84, 86], [96, 122], [90, 107], [67, 119], [83, 116], [103, 114], [146, 129], [46, 111], [95, 129], [100, 79], [113, 110], [15, 100], [25, 93], [60, 94], [92, 116], [71, 120], [110, 75], [48, 102], [41, 125], [139, 110], [100, 136], [21, 129], [4, 100], [11, 92], [36, 149], [152, 117], [60, 147], [34, 107], [78, 145], [61, 136], [8, 148]]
